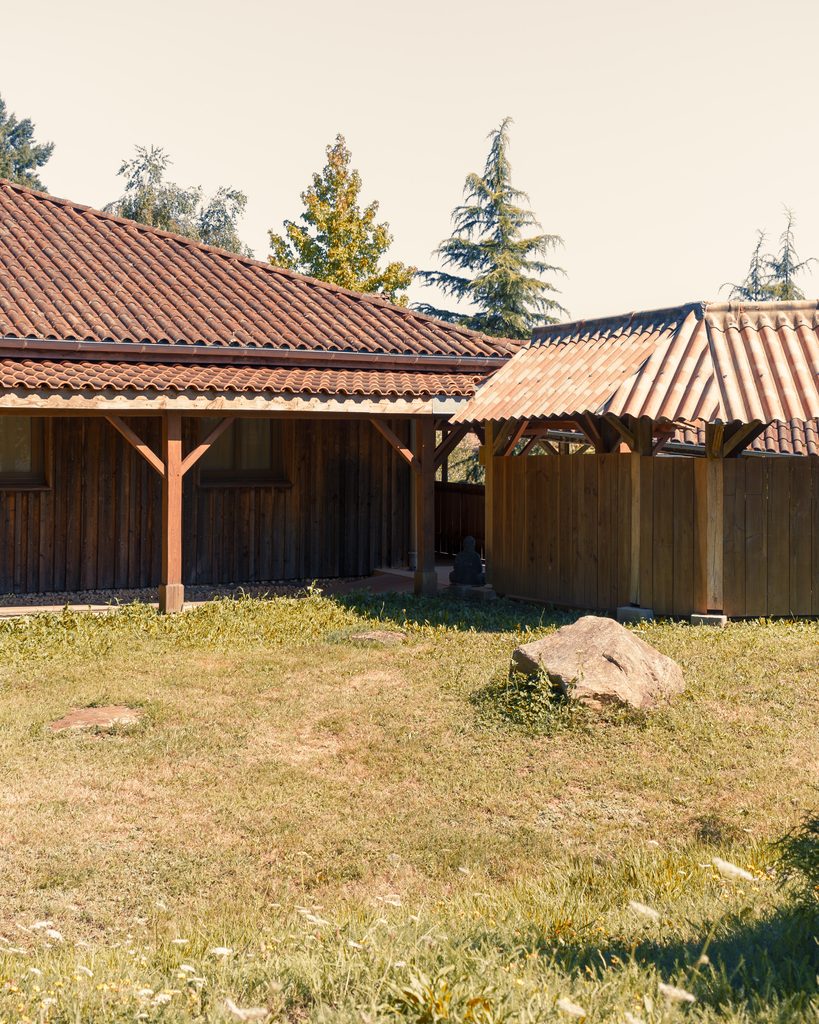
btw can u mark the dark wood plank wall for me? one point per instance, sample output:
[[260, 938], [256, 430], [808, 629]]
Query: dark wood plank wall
[[459, 513], [562, 533], [98, 525]]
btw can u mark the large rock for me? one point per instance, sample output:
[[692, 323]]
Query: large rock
[[597, 661]]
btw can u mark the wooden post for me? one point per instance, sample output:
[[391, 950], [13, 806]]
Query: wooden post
[[486, 457], [171, 590], [715, 468], [426, 579], [636, 465]]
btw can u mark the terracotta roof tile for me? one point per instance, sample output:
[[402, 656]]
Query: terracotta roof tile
[[72, 273], [77, 375], [695, 363]]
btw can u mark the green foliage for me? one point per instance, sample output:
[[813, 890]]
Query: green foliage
[[153, 200], [503, 269], [20, 155], [529, 704], [798, 853], [772, 277], [335, 240]]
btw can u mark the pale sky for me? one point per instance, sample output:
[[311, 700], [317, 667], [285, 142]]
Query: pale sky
[[655, 137]]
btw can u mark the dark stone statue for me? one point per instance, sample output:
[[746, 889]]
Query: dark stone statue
[[468, 571]]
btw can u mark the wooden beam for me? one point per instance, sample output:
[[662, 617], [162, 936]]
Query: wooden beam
[[620, 428], [714, 535], [714, 438], [741, 438], [530, 444], [635, 465], [511, 438], [397, 444], [136, 441], [501, 435], [488, 462], [171, 590], [426, 579], [194, 456], [450, 442], [644, 435]]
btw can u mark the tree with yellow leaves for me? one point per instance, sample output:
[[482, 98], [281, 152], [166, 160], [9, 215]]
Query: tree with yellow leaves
[[335, 240]]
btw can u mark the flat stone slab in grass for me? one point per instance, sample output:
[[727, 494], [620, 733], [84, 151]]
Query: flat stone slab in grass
[[97, 718], [385, 637], [596, 661]]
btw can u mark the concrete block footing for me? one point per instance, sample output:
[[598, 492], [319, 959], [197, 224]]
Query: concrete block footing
[[709, 619], [631, 613]]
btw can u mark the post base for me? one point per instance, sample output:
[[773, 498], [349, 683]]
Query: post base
[[426, 583], [709, 619], [632, 613], [171, 597]]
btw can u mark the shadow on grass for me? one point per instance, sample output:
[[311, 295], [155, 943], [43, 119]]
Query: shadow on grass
[[746, 962], [500, 616]]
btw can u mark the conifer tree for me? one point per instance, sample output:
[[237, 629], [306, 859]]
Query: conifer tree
[[501, 267], [20, 156], [772, 276], [335, 240], [153, 200]]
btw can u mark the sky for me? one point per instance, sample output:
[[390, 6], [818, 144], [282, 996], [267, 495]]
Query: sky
[[655, 137]]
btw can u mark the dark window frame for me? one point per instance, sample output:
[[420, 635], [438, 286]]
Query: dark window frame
[[39, 477], [275, 476]]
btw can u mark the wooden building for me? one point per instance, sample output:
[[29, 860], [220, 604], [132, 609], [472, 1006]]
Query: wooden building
[[174, 413], [666, 460]]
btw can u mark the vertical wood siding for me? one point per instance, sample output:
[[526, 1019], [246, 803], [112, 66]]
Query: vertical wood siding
[[562, 533], [459, 513], [98, 526]]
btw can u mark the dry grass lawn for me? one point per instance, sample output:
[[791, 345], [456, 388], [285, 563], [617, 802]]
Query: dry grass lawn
[[394, 832]]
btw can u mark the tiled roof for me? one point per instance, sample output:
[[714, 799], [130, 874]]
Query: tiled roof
[[797, 437], [76, 375], [695, 363], [71, 275]]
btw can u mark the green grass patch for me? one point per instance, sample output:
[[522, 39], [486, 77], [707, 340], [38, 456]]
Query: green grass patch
[[344, 832]]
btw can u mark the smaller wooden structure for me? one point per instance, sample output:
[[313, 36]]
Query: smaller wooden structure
[[665, 460]]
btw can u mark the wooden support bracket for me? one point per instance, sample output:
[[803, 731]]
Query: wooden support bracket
[[510, 437], [450, 442], [196, 454], [396, 443], [741, 438], [136, 441]]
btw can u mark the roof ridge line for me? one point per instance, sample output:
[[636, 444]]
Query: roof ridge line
[[541, 333], [251, 261]]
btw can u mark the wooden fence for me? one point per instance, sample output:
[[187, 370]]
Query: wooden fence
[[459, 513], [562, 532]]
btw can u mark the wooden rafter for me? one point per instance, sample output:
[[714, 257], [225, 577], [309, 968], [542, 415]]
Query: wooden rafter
[[396, 443], [194, 456], [136, 441], [510, 437], [450, 442]]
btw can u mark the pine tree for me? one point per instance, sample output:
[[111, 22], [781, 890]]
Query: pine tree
[[502, 267], [20, 155], [150, 199], [336, 240], [785, 266], [771, 277], [755, 286]]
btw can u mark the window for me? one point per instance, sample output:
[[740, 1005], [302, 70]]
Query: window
[[22, 453], [249, 453]]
